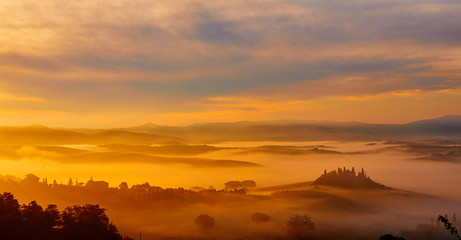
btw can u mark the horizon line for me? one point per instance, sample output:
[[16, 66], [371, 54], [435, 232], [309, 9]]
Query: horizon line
[[229, 122]]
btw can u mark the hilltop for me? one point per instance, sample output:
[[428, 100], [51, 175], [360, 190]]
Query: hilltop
[[345, 178]]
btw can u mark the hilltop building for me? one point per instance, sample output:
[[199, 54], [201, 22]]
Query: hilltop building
[[346, 178]]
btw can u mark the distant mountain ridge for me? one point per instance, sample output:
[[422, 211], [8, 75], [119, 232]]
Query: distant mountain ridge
[[447, 124], [454, 119], [444, 119], [306, 130], [447, 127]]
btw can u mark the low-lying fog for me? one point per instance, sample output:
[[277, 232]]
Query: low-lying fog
[[391, 167], [338, 213]]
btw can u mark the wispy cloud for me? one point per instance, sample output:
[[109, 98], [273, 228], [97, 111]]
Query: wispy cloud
[[163, 57], [11, 97]]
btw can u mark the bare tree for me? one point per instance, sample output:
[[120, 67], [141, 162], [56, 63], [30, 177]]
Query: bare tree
[[300, 225]]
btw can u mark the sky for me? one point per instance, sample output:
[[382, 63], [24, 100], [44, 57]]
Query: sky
[[100, 63]]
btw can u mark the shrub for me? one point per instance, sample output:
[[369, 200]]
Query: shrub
[[204, 221], [259, 217]]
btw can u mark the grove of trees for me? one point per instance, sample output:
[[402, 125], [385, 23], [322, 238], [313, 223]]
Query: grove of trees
[[32, 222]]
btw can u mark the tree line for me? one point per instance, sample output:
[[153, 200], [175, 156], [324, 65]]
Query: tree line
[[33, 222]]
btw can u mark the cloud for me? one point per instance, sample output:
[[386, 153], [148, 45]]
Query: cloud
[[11, 97], [172, 56]]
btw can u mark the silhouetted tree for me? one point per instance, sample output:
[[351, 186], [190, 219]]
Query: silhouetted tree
[[248, 184], [10, 216], [390, 237], [123, 186], [233, 184], [453, 231], [259, 217], [88, 222], [204, 222], [32, 222], [238, 184], [38, 223], [31, 179], [300, 225]]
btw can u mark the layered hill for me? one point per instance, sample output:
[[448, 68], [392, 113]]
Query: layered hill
[[44, 135], [447, 127]]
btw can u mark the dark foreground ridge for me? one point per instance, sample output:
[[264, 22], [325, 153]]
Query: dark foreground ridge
[[345, 178]]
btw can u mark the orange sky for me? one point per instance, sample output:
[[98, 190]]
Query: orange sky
[[98, 63]]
